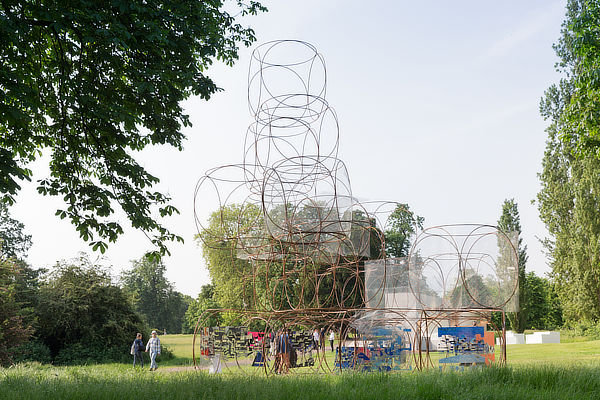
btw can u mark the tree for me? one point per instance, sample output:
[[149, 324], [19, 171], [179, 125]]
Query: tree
[[575, 101], [365, 233], [510, 222], [568, 203], [153, 296], [204, 301], [82, 314], [230, 275], [471, 291], [13, 242], [14, 330], [569, 199], [92, 83], [543, 308], [403, 223]]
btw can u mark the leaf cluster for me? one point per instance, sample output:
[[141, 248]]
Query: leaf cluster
[[80, 306], [94, 82], [569, 199], [153, 296], [402, 224]]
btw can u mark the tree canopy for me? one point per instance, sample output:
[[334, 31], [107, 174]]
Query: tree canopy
[[153, 296], [227, 272], [93, 83], [81, 312], [403, 223], [511, 222], [570, 196], [14, 330], [573, 103], [204, 301], [14, 243]]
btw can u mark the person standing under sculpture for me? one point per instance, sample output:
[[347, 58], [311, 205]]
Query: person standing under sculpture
[[316, 338], [277, 350], [331, 338], [153, 346], [284, 351]]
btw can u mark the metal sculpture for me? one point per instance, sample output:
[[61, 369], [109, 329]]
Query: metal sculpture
[[311, 257]]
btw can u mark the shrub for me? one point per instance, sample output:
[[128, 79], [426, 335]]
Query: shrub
[[84, 317], [34, 350], [588, 329]]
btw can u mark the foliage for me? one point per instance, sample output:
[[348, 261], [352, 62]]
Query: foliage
[[153, 296], [510, 222], [578, 94], [93, 83], [13, 330], [363, 225], [204, 301], [27, 284], [14, 243], [568, 204], [402, 223], [570, 196], [543, 308], [587, 329], [281, 284], [80, 308], [473, 292], [32, 350], [219, 248]]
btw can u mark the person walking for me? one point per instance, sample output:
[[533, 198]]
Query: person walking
[[137, 348], [331, 338], [316, 339], [284, 348], [278, 355], [153, 346]]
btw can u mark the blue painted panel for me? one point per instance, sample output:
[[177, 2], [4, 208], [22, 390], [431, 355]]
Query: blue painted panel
[[463, 359], [461, 331]]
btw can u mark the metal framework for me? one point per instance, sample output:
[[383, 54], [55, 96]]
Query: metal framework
[[311, 256]]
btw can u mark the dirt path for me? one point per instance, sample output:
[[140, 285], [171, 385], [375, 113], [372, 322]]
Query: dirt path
[[180, 369]]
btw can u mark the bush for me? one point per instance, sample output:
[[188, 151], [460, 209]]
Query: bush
[[31, 351], [84, 353], [587, 329], [83, 317]]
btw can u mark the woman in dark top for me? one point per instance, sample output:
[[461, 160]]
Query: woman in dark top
[[138, 348]]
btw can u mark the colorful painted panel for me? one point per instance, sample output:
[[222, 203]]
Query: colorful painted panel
[[466, 346], [383, 349]]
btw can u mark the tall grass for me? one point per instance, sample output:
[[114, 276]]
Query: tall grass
[[121, 382], [553, 371]]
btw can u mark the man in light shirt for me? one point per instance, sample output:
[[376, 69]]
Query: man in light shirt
[[153, 346]]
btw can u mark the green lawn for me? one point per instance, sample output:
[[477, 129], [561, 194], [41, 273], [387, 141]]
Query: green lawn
[[518, 354], [550, 371]]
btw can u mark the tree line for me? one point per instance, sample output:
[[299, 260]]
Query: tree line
[[569, 199], [91, 130], [76, 311], [539, 304]]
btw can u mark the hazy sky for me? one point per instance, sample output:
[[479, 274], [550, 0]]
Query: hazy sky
[[437, 103]]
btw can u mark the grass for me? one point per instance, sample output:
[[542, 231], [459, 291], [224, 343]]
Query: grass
[[549, 371], [573, 352], [121, 382]]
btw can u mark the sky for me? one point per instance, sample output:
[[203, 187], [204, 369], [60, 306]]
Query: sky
[[438, 107]]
